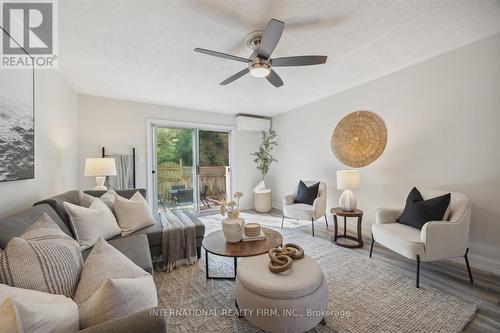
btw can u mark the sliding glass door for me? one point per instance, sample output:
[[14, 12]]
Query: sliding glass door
[[191, 168], [175, 172], [214, 172]]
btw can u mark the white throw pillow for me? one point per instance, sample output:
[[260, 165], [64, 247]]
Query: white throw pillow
[[90, 223], [28, 311], [112, 286], [133, 214], [109, 199]]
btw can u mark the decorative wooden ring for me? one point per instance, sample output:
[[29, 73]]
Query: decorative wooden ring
[[297, 251], [274, 255], [275, 268], [282, 257]]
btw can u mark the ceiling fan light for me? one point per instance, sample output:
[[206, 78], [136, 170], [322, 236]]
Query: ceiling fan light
[[260, 70]]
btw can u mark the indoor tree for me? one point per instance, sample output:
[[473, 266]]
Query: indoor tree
[[263, 156]]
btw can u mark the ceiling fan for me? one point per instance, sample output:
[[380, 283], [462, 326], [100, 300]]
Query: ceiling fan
[[260, 63]]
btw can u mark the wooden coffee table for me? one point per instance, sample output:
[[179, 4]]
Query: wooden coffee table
[[215, 243]]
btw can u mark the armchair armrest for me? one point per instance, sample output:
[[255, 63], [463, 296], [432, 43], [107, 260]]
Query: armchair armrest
[[387, 215], [288, 199], [444, 239], [143, 321], [319, 207]]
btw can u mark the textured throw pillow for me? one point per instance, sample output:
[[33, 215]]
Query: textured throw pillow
[[90, 223], [43, 258], [132, 214], [84, 199], [31, 311], [112, 286], [306, 194], [418, 211], [109, 199]]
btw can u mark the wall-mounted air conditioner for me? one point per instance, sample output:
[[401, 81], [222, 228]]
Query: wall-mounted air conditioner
[[249, 123]]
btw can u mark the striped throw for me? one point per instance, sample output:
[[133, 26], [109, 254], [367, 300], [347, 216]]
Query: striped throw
[[43, 258]]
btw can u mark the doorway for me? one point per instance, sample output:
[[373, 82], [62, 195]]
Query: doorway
[[190, 167]]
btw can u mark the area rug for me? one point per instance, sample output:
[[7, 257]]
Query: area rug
[[364, 296]]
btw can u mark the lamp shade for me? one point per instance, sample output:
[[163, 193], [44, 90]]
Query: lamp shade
[[100, 167], [348, 179]]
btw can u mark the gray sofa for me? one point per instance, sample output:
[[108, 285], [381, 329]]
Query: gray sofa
[[153, 233], [140, 247]]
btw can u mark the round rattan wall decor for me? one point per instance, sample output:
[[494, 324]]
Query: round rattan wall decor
[[359, 139]]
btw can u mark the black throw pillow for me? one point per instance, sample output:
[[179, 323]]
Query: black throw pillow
[[307, 194], [418, 211]]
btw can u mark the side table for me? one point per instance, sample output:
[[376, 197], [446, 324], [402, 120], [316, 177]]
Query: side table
[[337, 211]]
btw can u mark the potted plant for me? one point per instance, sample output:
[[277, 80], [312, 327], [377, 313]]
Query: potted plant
[[232, 226], [264, 157]]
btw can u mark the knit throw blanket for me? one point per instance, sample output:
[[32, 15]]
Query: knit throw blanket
[[179, 239]]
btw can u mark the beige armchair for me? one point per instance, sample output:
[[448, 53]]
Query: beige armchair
[[301, 211], [437, 240]]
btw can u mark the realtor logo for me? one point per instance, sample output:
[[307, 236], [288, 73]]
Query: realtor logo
[[29, 33]]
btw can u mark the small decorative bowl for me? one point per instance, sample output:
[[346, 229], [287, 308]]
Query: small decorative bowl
[[252, 229]]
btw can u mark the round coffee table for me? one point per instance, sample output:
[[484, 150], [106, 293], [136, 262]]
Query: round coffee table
[[216, 243]]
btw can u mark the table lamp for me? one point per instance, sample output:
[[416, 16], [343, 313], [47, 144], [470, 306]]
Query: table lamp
[[348, 180], [100, 168]]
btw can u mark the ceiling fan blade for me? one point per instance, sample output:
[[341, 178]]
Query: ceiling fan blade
[[270, 38], [234, 77], [299, 60], [274, 79], [221, 55]]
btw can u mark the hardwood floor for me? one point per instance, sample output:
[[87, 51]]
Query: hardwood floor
[[448, 276]]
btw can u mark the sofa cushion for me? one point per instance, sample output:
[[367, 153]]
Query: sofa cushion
[[132, 214], [90, 223], [15, 225], [35, 311], [400, 238], [112, 286], [43, 258], [135, 247], [57, 203], [153, 232]]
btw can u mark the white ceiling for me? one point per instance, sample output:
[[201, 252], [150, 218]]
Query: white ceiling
[[143, 50]]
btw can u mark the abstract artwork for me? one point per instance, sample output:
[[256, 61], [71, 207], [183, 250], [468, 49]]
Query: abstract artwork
[[17, 132]]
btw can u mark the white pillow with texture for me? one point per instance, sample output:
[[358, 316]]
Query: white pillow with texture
[[24, 310], [112, 286], [91, 223], [133, 214], [109, 199]]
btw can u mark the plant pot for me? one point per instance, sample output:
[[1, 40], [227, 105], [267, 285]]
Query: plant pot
[[262, 201], [233, 229]]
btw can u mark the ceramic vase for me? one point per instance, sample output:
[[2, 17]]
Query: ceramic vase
[[233, 229]]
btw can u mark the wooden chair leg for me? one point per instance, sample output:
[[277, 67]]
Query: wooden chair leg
[[312, 224], [326, 221], [418, 271], [468, 266], [371, 247]]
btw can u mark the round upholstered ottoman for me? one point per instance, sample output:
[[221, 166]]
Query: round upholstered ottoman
[[292, 301]]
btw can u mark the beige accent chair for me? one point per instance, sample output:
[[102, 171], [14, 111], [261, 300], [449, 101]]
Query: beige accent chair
[[301, 211], [437, 240]]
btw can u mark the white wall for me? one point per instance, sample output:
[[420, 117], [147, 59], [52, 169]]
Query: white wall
[[55, 146], [120, 125], [442, 118]]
